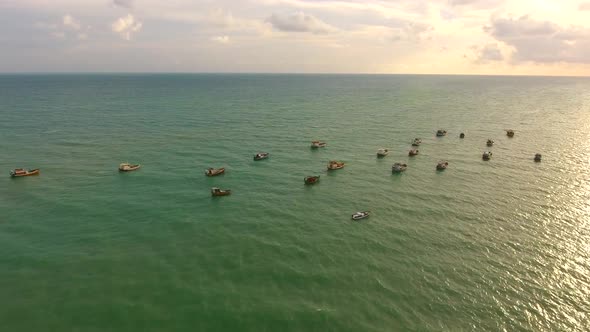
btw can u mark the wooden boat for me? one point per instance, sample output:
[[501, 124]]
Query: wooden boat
[[318, 144], [214, 171], [382, 152], [417, 142], [510, 133], [538, 157], [462, 135], [311, 179], [360, 215], [398, 167], [490, 142], [333, 165], [441, 132], [126, 167], [261, 155], [442, 165], [219, 192], [413, 152], [20, 172], [486, 155]]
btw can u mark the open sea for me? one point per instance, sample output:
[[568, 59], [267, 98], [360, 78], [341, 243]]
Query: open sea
[[499, 245]]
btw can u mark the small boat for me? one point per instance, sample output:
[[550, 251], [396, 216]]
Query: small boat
[[214, 171], [462, 135], [333, 165], [486, 155], [382, 152], [219, 192], [126, 167], [311, 179], [318, 144], [398, 167], [538, 157], [441, 132], [417, 142], [20, 172], [510, 133], [261, 155], [490, 142], [442, 165], [413, 152], [360, 215]]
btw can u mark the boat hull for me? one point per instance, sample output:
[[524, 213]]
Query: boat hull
[[31, 172], [215, 172]]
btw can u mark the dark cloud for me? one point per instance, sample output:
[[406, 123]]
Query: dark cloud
[[123, 3], [299, 22], [542, 41]]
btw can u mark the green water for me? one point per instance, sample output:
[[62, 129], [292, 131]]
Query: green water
[[482, 246]]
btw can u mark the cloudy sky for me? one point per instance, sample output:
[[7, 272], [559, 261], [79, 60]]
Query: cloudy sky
[[531, 37]]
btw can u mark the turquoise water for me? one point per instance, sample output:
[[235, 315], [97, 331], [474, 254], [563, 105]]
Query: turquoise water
[[497, 245]]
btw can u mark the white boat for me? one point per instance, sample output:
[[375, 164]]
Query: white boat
[[398, 167], [442, 165], [360, 215], [318, 144], [126, 167], [486, 155], [382, 152]]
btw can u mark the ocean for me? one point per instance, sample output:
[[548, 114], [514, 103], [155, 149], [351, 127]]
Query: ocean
[[499, 245]]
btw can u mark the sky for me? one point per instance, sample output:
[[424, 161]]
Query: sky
[[524, 37]]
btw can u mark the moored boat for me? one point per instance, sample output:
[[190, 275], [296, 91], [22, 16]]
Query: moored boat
[[214, 171], [486, 155], [417, 142], [382, 152], [333, 165], [537, 157], [219, 192], [510, 133], [360, 215], [126, 167], [261, 155], [442, 165], [398, 167], [413, 152], [441, 132], [312, 179], [318, 144], [20, 172], [462, 135], [490, 142]]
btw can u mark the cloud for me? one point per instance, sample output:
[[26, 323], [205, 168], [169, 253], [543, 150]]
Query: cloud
[[70, 22], [123, 3], [542, 41], [220, 39], [299, 22], [489, 53], [126, 26], [584, 6]]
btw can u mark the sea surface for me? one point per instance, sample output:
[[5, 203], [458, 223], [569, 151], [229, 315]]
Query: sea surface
[[499, 245]]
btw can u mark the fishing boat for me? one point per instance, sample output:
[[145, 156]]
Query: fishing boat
[[417, 142], [261, 155], [538, 157], [510, 133], [382, 152], [20, 172], [490, 142], [413, 152], [398, 167], [462, 135], [214, 171], [441, 132], [333, 165], [219, 192], [126, 167], [442, 165], [486, 155], [360, 215], [318, 144], [312, 179]]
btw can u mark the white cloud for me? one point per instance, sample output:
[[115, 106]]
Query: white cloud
[[299, 22], [221, 39], [489, 53], [71, 23], [123, 3], [585, 6], [126, 26]]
